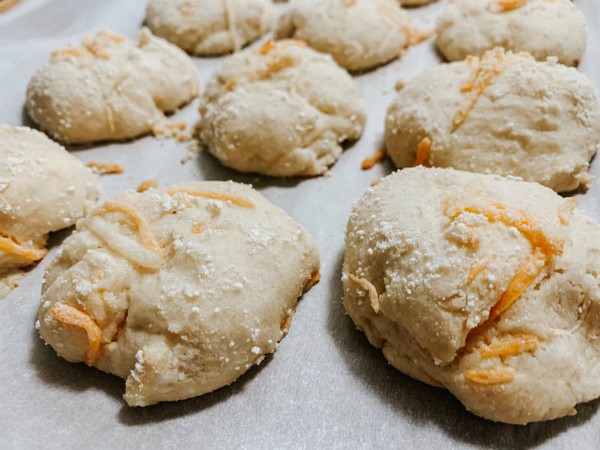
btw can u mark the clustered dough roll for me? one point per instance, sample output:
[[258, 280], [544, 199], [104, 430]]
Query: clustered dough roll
[[359, 34], [179, 290], [483, 285], [504, 113], [543, 28], [42, 189], [281, 110], [210, 27], [110, 88]]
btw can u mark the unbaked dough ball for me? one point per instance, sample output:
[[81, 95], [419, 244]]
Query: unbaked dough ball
[[281, 110], [359, 34], [210, 27], [506, 114], [110, 88], [543, 28], [482, 285], [42, 189], [178, 290]]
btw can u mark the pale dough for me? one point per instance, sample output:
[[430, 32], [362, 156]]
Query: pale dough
[[506, 114], [431, 254], [179, 290], [543, 28], [42, 189], [110, 88], [210, 27], [281, 110], [359, 34]]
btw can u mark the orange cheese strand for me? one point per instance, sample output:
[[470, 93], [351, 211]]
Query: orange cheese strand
[[71, 316], [510, 5], [314, 279], [368, 286], [543, 251], [266, 48], [146, 234], [566, 210], [5, 5], [489, 67], [490, 377], [512, 347], [146, 185], [8, 245], [477, 269], [74, 52], [370, 162], [238, 201], [423, 153], [103, 168], [526, 274], [518, 219]]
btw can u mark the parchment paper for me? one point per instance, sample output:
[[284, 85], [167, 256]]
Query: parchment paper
[[325, 387]]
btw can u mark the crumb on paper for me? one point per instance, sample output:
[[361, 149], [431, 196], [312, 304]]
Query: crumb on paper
[[375, 181], [194, 147], [105, 168], [147, 184], [370, 162], [399, 85], [172, 130]]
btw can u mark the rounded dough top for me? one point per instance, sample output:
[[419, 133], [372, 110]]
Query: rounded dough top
[[359, 34], [479, 284], [42, 189], [179, 290], [504, 113], [210, 27], [543, 28], [281, 110], [110, 88]]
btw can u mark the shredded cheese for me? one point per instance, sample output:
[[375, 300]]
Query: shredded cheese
[[197, 228], [487, 70], [423, 155], [543, 251], [71, 316], [490, 377], [102, 168], [73, 52], [266, 48], [368, 286], [513, 347], [5, 5], [566, 210], [146, 185], [510, 5], [147, 237], [370, 162], [10, 246], [314, 279], [234, 199], [476, 269]]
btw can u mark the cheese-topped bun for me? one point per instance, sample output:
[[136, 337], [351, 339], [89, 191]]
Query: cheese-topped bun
[[359, 34], [482, 285], [110, 88], [42, 189], [504, 113], [543, 28], [281, 110], [210, 27], [178, 290]]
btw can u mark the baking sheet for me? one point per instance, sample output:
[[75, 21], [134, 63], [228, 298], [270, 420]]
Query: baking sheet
[[325, 387]]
